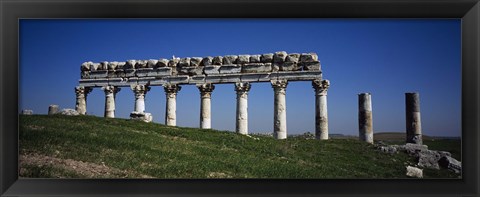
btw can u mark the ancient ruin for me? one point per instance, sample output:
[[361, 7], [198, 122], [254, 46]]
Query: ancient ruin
[[241, 70]]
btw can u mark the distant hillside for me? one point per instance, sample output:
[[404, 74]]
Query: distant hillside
[[87, 146]]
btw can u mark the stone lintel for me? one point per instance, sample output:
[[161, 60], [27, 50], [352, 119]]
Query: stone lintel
[[212, 78]]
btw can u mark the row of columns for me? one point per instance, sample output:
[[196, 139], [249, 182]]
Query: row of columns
[[241, 88], [412, 113]]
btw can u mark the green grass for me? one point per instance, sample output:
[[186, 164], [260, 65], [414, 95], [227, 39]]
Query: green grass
[[148, 149]]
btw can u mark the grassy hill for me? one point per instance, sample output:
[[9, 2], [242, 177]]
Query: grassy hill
[[93, 147]]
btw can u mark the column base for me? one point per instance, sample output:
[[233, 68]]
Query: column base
[[145, 117]]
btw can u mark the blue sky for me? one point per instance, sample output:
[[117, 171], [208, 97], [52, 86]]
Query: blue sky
[[385, 57]]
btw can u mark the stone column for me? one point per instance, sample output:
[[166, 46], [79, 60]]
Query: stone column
[[321, 115], [81, 103], [242, 89], [365, 120], [171, 91], [205, 112], [140, 91], [280, 111], [413, 122], [110, 93]]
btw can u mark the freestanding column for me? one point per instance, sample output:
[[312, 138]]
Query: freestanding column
[[280, 111], [413, 124], [81, 103], [205, 112], [321, 115], [140, 91], [110, 93], [365, 121], [171, 91], [242, 89]]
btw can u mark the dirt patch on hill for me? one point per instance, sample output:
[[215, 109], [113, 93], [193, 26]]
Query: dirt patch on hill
[[80, 168]]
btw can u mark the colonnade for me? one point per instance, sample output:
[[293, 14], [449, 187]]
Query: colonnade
[[206, 90]]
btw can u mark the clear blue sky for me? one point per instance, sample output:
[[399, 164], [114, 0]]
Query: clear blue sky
[[384, 57]]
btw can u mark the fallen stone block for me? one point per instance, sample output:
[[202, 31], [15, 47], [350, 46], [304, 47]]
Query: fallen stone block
[[27, 112], [451, 164], [52, 109], [414, 172], [141, 116], [428, 159], [69, 112]]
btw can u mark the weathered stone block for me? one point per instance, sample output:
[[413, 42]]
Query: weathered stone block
[[217, 60], [229, 69], [209, 70], [184, 62], [267, 58], [103, 65], [85, 66], [94, 66], [27, 112], [289, 66], [52, 109], [310, 65], [130, 64], [69, 112], [85, 74], [195, 61], [173, 62], [451, 164], [257, 67], [276, 66], [120, 65], [292, 57], [206, 61], [162, 62], [143, 72], [279, 57], [129, 72], [112, 66], [191, 70], [243, 59], [162, 71], [255, 58], [414, 172], [120, 73], [229, 59], [141, 116], [98, 74], [141, 64], [151, 63], [308, 57]]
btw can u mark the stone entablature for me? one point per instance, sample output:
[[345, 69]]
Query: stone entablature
[[193, 70]]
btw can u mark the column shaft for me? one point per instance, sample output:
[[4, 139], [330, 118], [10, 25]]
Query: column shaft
[[241, 125], [413, 121], [205, 105], [280, 109], [321, 112], [365, 119], [171, 91], [140, 91], [81, 101], [110, 92]]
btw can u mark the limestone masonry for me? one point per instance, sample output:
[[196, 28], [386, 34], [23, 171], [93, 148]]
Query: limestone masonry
[[195, 70], [140, 75]]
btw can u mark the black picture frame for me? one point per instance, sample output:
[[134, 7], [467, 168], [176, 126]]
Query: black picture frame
[[11, 11]]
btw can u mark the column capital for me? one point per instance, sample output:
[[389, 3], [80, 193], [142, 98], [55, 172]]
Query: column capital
[[321, 86], [279, 83], [206, 89], [140, 90], [171, 88], [242, 86], [111, 89], [82, 90]]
